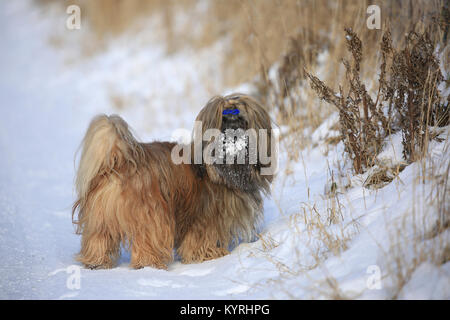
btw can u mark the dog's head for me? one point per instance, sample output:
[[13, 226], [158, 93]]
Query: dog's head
[[234, 128]]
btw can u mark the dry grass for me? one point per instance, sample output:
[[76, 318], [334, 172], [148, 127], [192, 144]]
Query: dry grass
[[407, 99], [323, 233], [364, 131], [413, 92], [422, 234], [260, 31], [283, 36], [382, 176]]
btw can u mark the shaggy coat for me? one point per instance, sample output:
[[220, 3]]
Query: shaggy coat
[[132, 194]]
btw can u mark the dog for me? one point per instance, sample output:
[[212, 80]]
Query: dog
[[134, 195]]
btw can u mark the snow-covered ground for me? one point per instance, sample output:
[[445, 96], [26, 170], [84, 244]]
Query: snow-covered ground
[[324, 235]]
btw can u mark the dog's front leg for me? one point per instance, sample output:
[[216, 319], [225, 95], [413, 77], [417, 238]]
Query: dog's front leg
[[200, 244]]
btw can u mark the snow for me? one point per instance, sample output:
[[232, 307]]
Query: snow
[[233, 143], [47, 100], [427, 282]]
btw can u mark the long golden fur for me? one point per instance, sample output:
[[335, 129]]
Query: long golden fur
[[132, 194]]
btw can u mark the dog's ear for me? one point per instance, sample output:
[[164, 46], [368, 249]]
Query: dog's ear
[[211, 114], [258, 119], [210, 117], [257, 116]]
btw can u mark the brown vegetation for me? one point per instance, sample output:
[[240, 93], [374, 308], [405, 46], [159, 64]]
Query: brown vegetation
[[408, 98]]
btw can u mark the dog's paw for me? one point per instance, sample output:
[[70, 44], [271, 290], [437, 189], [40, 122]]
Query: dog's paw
[[98, 266], [205, 255], [92, 266], [141, 264]]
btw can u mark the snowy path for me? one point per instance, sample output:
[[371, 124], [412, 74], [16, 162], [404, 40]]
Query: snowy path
[[46, 105]]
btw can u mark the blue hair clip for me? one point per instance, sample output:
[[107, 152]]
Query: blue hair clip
[[231, 111]]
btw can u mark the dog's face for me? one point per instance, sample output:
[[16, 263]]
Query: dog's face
[[233, 118], [236, 116]]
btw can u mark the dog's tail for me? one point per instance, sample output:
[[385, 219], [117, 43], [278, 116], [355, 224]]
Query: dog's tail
[[106, 147]]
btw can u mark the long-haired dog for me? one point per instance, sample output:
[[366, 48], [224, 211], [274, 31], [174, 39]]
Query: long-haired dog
[[133, 194]]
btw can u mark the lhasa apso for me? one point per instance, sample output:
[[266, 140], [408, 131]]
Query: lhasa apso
[[136, 195]]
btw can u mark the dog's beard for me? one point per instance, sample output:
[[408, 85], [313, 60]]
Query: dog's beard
[[233, 164], [237, 176]]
